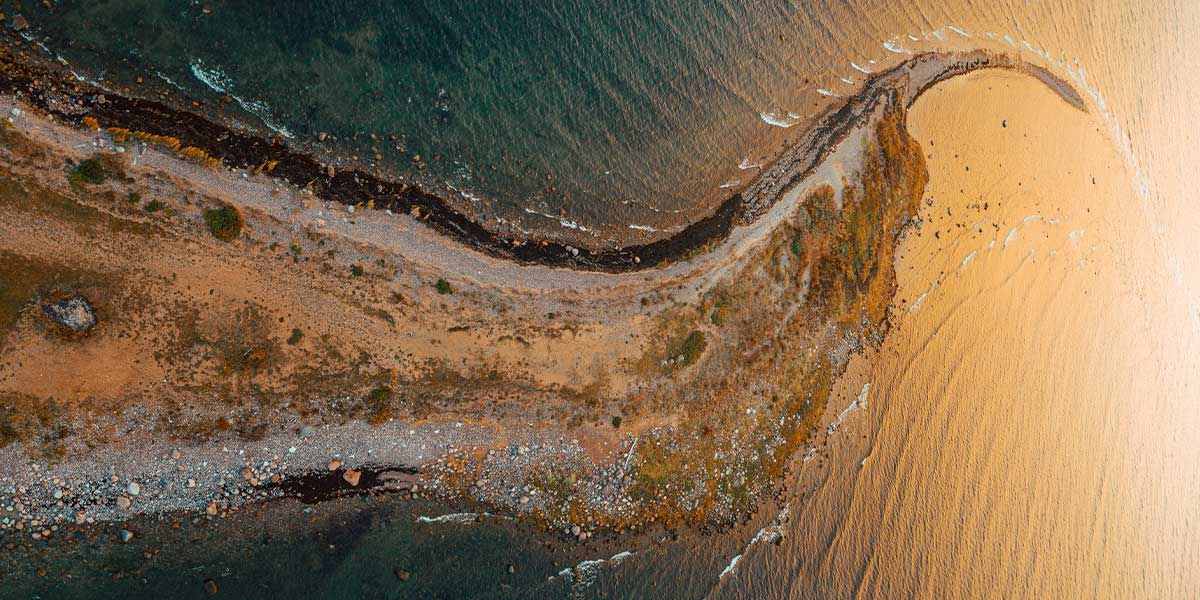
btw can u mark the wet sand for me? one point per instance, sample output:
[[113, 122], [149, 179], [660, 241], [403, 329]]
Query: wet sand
[[1031, 419]]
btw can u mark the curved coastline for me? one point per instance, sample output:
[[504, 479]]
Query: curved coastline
[[65, 98], [778, 191]]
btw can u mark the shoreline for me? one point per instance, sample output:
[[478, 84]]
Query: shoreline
[[72, 101], [527, 447]]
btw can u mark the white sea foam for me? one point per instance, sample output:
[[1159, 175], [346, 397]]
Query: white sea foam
[[221, 84], [846, 81], [644, 228], [732, 183], [1012, 233], [858, 403], [958, 31], [776, 120], [825, 92], [894, 46], [732, 564], [746, 164], [455, 518], [967, 260], [859, 68], [584, 574]]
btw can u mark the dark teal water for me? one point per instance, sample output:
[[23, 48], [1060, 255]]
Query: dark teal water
[[593, 115], [604, 121]]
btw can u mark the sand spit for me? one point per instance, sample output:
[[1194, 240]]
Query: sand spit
[[323, 339]]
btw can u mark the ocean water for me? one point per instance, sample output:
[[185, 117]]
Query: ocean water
[[603, 122], [1030, 432]]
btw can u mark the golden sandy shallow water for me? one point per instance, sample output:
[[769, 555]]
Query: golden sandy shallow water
[[1031, 422]]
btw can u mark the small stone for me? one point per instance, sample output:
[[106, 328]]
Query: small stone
[[211, 509], [58, 494], [524, 499], [134, 488], [402, 574], [126, 535], [210, 587], [19, 23], [191, 483], [74, 313], [512, 568], [176, 454], [335, 464], [123, 503], [1004, 123], [575, 530], [247, 474], [352, 477]]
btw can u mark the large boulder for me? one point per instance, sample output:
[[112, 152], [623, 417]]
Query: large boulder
[[74, 313]]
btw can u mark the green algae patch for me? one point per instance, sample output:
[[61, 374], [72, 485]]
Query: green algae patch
[[224, 223]]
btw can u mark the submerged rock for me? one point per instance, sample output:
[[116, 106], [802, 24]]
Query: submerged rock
[[74, 313]]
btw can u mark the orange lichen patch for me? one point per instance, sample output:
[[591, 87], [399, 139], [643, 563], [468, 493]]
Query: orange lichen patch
[[91, 123], [200, 157], [121, 135]]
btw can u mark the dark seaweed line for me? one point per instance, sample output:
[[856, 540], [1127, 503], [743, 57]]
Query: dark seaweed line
[[70, 101], [52, 91]]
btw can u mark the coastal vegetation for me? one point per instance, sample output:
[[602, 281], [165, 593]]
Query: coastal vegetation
[[224, 222], [700, 390]]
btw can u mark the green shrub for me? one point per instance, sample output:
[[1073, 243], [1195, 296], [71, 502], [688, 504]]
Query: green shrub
[[356, 270], [90, 171], [295, 338], [616, 422], [225, 223], [443, 287], [693, 347], [153, 206]]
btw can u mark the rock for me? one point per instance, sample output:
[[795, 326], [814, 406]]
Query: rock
[[176, 454], [575, 530], [247, 474], [134, 488], [74, 313], [402, 574], [335, 464], [211, 509], [126, 536], [123, 503], [306, 431], [210, 587], [19, 23], [352, 477], [512, 568]]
